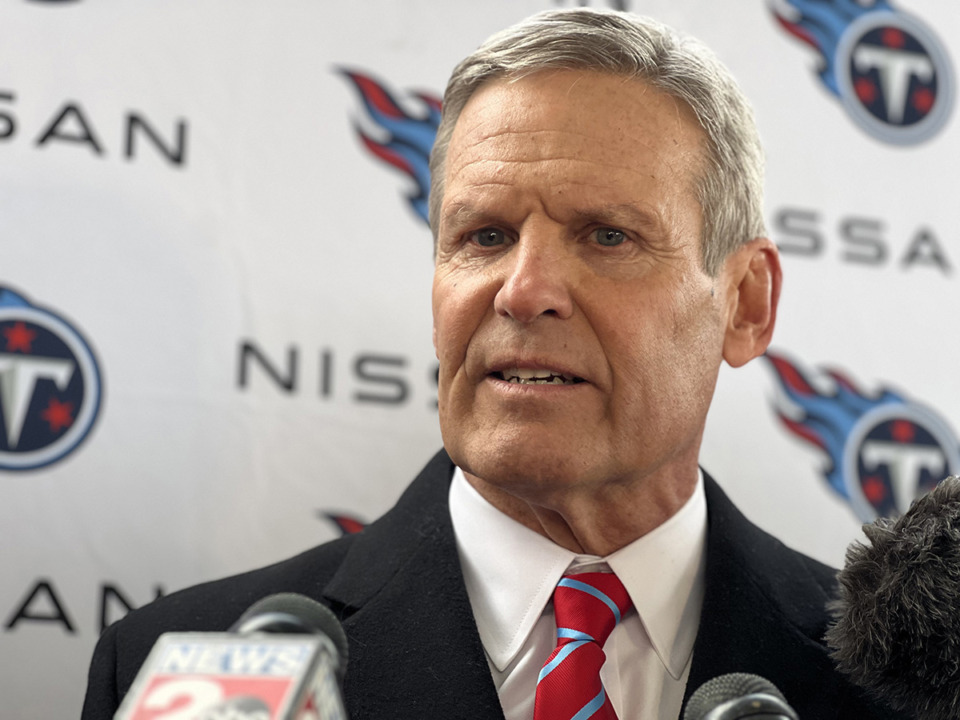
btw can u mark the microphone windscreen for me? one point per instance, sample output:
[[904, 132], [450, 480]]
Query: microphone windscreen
[[725, 688], [896, 629], [293, 613]]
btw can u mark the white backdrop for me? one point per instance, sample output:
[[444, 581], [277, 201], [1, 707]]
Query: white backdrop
[[216, 326]]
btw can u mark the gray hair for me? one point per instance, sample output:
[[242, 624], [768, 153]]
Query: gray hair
[[730, 189]]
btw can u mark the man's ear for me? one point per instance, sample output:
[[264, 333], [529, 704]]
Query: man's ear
[[754, 277]]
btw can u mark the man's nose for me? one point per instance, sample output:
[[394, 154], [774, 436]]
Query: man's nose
[[539, 278]]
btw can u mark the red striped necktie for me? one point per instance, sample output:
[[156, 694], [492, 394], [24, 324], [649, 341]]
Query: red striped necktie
[[587, 608]]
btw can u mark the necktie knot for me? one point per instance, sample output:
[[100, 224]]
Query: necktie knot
[[589, 606]]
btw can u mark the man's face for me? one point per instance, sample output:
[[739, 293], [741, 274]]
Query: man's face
[[579, 339]]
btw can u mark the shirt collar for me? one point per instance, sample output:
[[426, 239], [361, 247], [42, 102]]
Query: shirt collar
[[510, 572]]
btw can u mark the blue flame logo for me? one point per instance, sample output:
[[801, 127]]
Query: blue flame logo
[[407, 139], [889, 71], [881, 451]]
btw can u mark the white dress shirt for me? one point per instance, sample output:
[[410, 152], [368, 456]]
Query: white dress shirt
[[511, 571]]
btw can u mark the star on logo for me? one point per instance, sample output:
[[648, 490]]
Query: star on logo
[[58, 415], [19, 337], [903, 431]]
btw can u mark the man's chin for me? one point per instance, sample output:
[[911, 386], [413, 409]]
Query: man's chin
[[525, 470]]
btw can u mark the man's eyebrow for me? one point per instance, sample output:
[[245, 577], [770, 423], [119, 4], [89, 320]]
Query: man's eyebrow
[[465, 214], [621, 214], [462, 214]]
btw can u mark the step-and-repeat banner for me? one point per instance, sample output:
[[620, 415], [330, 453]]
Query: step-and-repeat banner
[[215, 333]]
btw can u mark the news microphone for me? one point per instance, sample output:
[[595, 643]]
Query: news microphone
[[282, 660], [896, 630], [738, 695]]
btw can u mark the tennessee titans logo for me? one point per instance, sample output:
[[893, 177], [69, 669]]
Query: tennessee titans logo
[[50, 387], [889, 71], [406, 138], [882, 451]]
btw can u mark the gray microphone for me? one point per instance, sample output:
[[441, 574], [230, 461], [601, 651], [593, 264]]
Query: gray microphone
[[738, 695], [294, 614]]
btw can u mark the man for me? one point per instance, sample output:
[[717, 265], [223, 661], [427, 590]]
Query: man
[[599, 252]]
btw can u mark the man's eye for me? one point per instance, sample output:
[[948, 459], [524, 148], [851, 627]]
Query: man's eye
[[489, 237], [609, 236]]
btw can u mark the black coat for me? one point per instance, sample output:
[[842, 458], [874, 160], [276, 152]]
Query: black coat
[[414, 648]]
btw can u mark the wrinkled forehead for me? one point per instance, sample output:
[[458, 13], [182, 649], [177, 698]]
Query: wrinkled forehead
[[586, 116]]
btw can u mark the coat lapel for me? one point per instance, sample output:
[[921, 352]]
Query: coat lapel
[[763, 613], [414, 647]]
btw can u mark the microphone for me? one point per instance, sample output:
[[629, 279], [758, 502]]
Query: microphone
[[896, 630], [738, 695], [284, 659]]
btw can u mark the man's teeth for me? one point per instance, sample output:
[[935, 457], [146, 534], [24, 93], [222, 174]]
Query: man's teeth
[[538, 377]]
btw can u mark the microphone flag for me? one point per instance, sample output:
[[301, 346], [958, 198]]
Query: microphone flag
[[220, 676]]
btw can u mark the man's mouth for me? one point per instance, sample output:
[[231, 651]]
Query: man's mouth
[[536, 377]]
